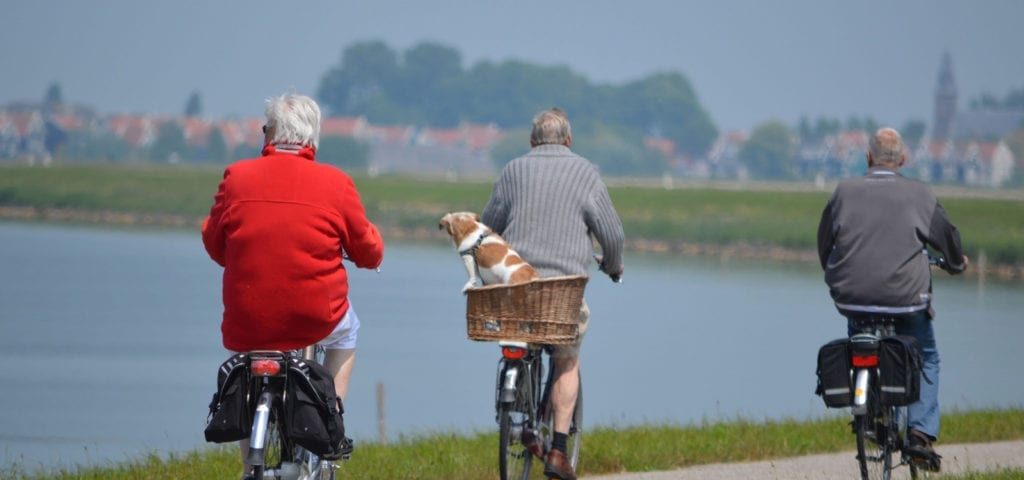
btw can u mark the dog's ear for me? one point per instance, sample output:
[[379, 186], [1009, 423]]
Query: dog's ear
[[445, 223], [476, 217]]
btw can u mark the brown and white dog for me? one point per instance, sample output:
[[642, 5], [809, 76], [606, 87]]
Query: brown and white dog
[[487, 256]]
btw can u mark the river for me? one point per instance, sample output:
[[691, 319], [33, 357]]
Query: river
[[110, 341]]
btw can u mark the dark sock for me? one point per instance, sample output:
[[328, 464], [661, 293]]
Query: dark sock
[[559, 442]]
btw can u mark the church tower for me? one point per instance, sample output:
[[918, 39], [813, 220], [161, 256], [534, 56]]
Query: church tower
[[945, 101]]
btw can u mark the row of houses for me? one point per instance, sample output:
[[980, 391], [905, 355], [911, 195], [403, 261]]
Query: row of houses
[[988, 163], [33, 135]]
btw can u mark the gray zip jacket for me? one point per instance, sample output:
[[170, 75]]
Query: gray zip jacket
[[870, 243], [547, 205]]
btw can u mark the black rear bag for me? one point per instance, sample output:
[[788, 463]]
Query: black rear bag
[[230, 413], [899, 365], [835, 384], [312, 409]]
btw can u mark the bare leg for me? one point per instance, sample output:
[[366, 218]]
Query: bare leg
[[340, 362], [565, 390]]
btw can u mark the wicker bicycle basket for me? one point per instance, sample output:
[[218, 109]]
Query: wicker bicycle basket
[[540, 311]]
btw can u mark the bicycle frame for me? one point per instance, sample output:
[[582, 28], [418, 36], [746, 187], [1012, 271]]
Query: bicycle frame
[[884, 426], [268, 370], [523, 412]]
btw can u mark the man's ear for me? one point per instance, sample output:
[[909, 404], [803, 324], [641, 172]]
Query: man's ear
[[903, 159]]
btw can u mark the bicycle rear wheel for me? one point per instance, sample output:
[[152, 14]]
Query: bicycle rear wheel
[[514, 458], [278, 453], [874, 446]]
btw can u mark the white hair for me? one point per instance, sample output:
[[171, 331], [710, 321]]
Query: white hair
[[295, 119], [887, 146], [550, 127]]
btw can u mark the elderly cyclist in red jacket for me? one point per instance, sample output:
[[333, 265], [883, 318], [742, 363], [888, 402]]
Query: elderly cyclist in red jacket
[[280, 226]]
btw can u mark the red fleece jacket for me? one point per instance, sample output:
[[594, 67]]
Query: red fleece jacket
[[278, 226]]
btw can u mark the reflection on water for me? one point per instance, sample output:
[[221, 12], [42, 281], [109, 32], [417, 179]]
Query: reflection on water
[[110, 341]]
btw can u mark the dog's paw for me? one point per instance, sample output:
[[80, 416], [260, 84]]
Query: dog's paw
[[470, 284]]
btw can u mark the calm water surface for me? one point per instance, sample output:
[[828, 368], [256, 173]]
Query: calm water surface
[[110, 341]]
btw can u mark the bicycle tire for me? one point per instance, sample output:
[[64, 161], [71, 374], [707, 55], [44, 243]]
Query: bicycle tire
[[874, 446], [514, 458]]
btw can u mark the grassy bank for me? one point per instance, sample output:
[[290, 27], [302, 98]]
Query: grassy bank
[[606, 450], [692, 218]]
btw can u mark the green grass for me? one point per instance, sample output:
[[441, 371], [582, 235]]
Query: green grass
[[692, 215], [606, 450]]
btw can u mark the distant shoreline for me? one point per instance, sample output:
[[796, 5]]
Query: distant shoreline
[[733, 251]]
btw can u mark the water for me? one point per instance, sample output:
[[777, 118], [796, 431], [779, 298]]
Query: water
[[110, 340]]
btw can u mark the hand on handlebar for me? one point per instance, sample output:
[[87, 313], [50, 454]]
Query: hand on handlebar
[[616, 277]]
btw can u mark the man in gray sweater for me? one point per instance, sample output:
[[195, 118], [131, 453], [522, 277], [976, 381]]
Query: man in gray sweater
[[871, 242], [550, 205]]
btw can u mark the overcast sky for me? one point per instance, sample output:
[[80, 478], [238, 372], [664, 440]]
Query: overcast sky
[[749, 60]]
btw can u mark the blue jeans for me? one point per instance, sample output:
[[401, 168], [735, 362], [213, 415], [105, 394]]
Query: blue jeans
[[923, 415]]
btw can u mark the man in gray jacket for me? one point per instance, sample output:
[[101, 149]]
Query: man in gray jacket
[[871, 244], [548, 205]]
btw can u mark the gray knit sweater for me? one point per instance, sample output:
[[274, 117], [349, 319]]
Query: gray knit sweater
[[870, 242], [548, 205]]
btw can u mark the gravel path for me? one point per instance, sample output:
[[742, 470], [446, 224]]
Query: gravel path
[[956, 459]]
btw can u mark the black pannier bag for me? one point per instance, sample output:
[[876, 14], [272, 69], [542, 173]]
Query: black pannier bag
[[835, 385], [899, 365], [229, 418], [312, 409]]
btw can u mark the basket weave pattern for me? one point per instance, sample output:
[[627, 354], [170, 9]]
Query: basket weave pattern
[[545, 311]]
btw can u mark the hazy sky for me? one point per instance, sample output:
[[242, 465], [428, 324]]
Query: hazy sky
[[749, 60]]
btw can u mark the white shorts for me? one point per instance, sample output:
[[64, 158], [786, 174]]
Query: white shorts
[[344, 335]]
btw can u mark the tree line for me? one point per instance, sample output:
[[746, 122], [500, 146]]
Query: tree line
[[427, 84]]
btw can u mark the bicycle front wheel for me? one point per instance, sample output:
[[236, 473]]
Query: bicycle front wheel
[[874, 448], [515, 418]]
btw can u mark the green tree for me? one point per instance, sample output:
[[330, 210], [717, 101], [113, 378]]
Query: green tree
[[618, 152], [368, 72], [54, 96], [194, 105], [514, 143], [430, 77], [768, 153], [665, 103], [217, 147], [347, 153], [913, 132], [170, 145]]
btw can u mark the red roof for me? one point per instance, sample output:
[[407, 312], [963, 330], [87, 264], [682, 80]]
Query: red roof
[[343, 127]]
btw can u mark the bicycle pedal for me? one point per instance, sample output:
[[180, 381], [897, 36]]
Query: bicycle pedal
[[927, 463]]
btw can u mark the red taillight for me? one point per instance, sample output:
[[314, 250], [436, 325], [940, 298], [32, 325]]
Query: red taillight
[[865, 360], [267, 368], [513, 353]]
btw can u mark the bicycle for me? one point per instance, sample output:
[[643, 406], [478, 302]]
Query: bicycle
[[524, 413], [272, 455], [881, 429]]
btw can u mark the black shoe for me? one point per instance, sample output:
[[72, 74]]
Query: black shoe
[[920, 452], [342, 451], [558, 466]]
